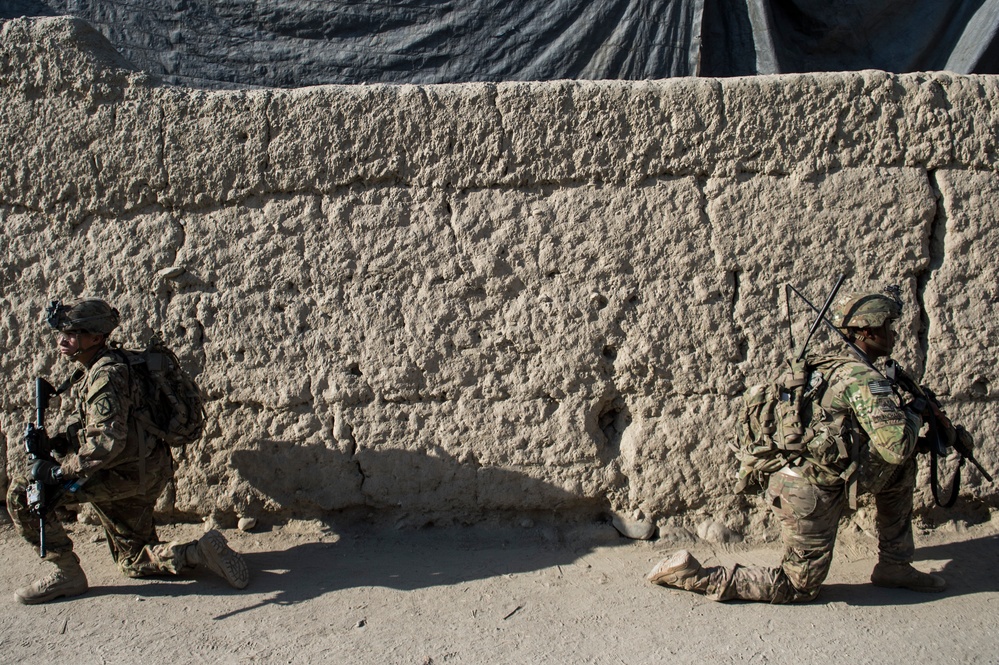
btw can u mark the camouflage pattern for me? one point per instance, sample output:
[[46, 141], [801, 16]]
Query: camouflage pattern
[[810, 496], [109, 436], [124, 475], [809, 516], [864, 310], [88, 316], [886, 432]]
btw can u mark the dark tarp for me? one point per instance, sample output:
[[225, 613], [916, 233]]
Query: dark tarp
[[307, 42]]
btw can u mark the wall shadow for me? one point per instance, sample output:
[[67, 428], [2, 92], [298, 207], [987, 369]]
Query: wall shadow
[[405, 561], [418, 487], [314, 481]]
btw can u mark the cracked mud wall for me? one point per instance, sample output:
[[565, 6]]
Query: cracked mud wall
[[443, 302]]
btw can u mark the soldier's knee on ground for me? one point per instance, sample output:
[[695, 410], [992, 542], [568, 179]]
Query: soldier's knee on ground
[[806, 595], [126, 568]]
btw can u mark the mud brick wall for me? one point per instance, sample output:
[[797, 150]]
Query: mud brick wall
[[446, 302]]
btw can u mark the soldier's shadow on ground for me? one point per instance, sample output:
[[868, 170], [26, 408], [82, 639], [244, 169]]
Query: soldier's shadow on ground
[[411, 558], [972, 566], [406, 561], [402, 560]]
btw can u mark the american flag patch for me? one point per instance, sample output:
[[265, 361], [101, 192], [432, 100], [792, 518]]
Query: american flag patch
[[880, 387]]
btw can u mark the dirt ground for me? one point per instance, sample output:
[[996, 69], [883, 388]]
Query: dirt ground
[[492, 594]]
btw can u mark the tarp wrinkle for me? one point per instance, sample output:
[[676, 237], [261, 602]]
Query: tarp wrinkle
[[309, 42]]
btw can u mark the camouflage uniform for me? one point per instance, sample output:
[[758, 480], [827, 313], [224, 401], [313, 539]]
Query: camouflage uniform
[[860, 435], [125, 473], [116, 466], [809, 499]]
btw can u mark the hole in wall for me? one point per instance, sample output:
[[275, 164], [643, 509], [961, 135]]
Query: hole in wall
[[612, 421]]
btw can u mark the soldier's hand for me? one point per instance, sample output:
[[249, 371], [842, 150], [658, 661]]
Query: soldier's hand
[[47, 472], [915, 403], [940, 415]]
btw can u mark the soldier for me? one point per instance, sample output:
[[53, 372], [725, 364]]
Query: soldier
[[120, 469], [808, 496]]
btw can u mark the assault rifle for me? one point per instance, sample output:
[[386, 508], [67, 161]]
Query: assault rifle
[[936, 439], [928, 406], [36, 444], [39, 447]]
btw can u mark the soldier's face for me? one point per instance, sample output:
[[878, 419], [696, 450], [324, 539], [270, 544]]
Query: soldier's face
[[882, 340], [71, 344]]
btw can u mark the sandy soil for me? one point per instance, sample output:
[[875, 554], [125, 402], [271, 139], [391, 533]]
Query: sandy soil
[[531, 594]]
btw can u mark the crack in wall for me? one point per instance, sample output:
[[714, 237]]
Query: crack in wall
[[449, 219], [505, 156], [161, 150], [265, 163], [937, 251]]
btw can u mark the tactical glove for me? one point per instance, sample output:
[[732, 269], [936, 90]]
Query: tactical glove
[[913, 419], [47, 472]]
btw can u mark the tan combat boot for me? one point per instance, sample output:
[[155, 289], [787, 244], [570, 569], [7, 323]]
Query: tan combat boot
[[681, 570], [68, 579], [213, 552], [904, 576]]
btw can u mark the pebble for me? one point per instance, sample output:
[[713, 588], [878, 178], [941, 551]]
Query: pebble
[[172, 272], [246, 523]]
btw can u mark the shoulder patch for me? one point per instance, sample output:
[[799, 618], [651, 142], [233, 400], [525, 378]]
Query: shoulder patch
[[103, 407]]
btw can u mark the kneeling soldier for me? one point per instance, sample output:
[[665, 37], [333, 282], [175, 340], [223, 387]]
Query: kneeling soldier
[[808, 497], [120, 471]]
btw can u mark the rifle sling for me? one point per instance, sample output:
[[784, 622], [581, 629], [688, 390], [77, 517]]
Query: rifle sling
[[935, 483]]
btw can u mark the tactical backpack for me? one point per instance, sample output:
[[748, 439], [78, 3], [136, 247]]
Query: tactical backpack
[[169, 404], [784, 422]]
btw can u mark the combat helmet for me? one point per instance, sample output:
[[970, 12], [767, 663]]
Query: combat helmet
[[87, 316], [869, 309]]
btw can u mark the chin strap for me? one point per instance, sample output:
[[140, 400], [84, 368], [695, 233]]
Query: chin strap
[[75, 354]]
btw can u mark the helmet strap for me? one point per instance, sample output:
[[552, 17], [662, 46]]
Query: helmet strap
[[81, 350], [876, 345]]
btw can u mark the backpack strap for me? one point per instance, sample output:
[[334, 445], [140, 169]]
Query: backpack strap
[[133, 428], [848, 441], [850, 474]]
